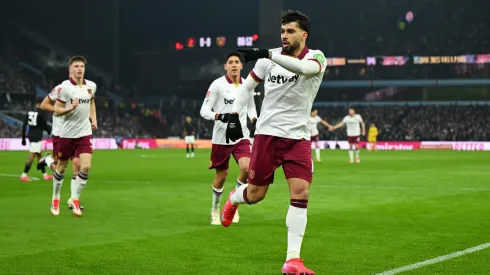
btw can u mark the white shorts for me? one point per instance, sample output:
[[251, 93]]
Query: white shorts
[[190, 139], [36, 147]]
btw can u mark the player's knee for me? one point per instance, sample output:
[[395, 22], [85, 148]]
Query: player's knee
[[85, 167], [300, 191], [244, 169]]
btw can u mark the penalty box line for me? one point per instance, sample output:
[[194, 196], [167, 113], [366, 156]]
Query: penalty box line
[[436, 260]]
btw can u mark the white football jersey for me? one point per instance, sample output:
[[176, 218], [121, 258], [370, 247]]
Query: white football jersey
[[353, 124], [76, 123], [313, 125], [219, 100], [288, 97], [57, 120]]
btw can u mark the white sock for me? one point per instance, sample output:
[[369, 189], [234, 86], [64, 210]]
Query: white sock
[[81, 182], [317, 154], [24, 175], [351, 155], [73, 186], [45, 174], [239, 183], [49, 161], [238, 197], [357, 153], [216, 198], [57, 182], [296, 223]]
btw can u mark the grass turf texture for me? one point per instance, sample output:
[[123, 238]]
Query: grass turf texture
[[147, 212]]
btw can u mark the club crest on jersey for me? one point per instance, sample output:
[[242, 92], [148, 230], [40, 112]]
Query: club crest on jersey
[[89, 91], [251, 174], [280, 79]]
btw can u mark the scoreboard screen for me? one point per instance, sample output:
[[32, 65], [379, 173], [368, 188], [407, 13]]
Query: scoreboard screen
[[217, 42]]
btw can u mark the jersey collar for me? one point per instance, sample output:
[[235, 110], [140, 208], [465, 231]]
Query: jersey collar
[[301, 55], [230, 80], [75, 83]]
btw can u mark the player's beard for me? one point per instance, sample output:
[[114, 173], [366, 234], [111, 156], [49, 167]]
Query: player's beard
[[291, 48]]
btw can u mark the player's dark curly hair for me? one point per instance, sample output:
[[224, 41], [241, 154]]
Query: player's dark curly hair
[[230, 54], [296, 16]]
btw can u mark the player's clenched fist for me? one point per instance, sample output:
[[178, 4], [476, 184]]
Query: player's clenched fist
[[252, 54], [234, 128], [94, 126]]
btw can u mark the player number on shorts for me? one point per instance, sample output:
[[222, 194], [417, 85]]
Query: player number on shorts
[[32, 118]]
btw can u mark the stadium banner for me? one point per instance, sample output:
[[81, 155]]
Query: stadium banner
[[139, 143], [456, 145], [15, 144], [382, 145], [180, 143], [411, 145]]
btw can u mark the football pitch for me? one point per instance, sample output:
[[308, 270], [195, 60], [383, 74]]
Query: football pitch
[[147, 212]]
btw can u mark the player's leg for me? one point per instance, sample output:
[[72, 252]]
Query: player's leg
[[220, 157], [187, 145], [317, 151], [46, 176], [65, 150], [357, 151], [262, 165], [351, 150], [84, 148], [27, 166], [75, 168], [242, 153], [193, 140], [298, 169]]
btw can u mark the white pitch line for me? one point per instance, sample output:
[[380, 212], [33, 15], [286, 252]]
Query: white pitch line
[[16, 176], [436, 260]]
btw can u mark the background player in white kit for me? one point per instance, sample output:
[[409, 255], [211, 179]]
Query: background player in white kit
[[314, 133], [52, 161], [217, 106], [292, 75], [76, 103], [354, 123]]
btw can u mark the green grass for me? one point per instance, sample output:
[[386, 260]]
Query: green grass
[[147, 212]]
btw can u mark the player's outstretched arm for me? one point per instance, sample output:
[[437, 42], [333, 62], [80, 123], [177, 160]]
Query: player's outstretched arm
[[301, 67], [338, 125], [47, 105], [251, 109], [243, 94], [326, 124], [363, 127]]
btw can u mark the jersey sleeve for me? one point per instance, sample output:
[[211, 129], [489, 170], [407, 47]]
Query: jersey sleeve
[[210, 101], [94, 90], [53, 95], [345, 119], [318, 119], [359, 118], [63, 94], [260, 70], [319, 57]]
